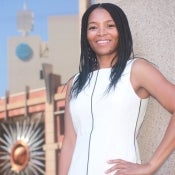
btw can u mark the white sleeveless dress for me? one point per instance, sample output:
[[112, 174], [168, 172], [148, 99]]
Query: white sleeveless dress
[[106, 123]]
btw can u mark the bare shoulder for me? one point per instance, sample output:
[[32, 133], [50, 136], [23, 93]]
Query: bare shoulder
[[145, 71], [70, 82], [143, 64], [140, 69], [69, 86], [146, 76]]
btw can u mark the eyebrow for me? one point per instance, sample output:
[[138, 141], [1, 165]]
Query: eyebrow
[[92, 22]]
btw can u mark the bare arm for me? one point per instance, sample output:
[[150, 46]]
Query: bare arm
[[69, 138], [148, 81], [164, 92]]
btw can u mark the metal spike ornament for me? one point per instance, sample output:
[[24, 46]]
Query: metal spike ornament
[[21, 148]]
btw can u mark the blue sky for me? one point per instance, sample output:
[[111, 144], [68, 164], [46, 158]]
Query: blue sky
[[41, 9]]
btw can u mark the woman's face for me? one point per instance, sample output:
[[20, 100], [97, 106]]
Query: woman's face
[[102, 33]]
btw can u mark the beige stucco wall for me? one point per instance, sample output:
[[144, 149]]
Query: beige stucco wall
[[152, 23]]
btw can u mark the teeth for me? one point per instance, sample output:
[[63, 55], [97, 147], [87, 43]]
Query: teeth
[[103, 41]]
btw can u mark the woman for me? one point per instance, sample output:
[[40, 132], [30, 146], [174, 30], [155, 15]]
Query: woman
[[104, 101]]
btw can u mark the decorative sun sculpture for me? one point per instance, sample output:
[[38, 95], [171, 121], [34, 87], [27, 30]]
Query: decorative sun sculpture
[[21, 148]]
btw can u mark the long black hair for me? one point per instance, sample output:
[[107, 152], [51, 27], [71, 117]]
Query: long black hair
[[88, 59]]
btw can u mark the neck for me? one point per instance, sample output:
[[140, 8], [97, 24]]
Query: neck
[[106, 61]]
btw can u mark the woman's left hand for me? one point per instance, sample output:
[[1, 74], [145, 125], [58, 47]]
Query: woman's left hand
[[122, 167]]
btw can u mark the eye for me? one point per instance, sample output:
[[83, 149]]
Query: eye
[[92, 27], [111, 25]]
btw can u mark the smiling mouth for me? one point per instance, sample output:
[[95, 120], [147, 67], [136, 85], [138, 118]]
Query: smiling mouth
[[103, 41]]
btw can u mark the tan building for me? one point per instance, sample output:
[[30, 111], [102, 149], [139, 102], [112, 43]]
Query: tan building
[[31, 115], [62, 50]]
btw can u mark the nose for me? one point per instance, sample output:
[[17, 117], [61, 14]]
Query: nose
[[101, 31]]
